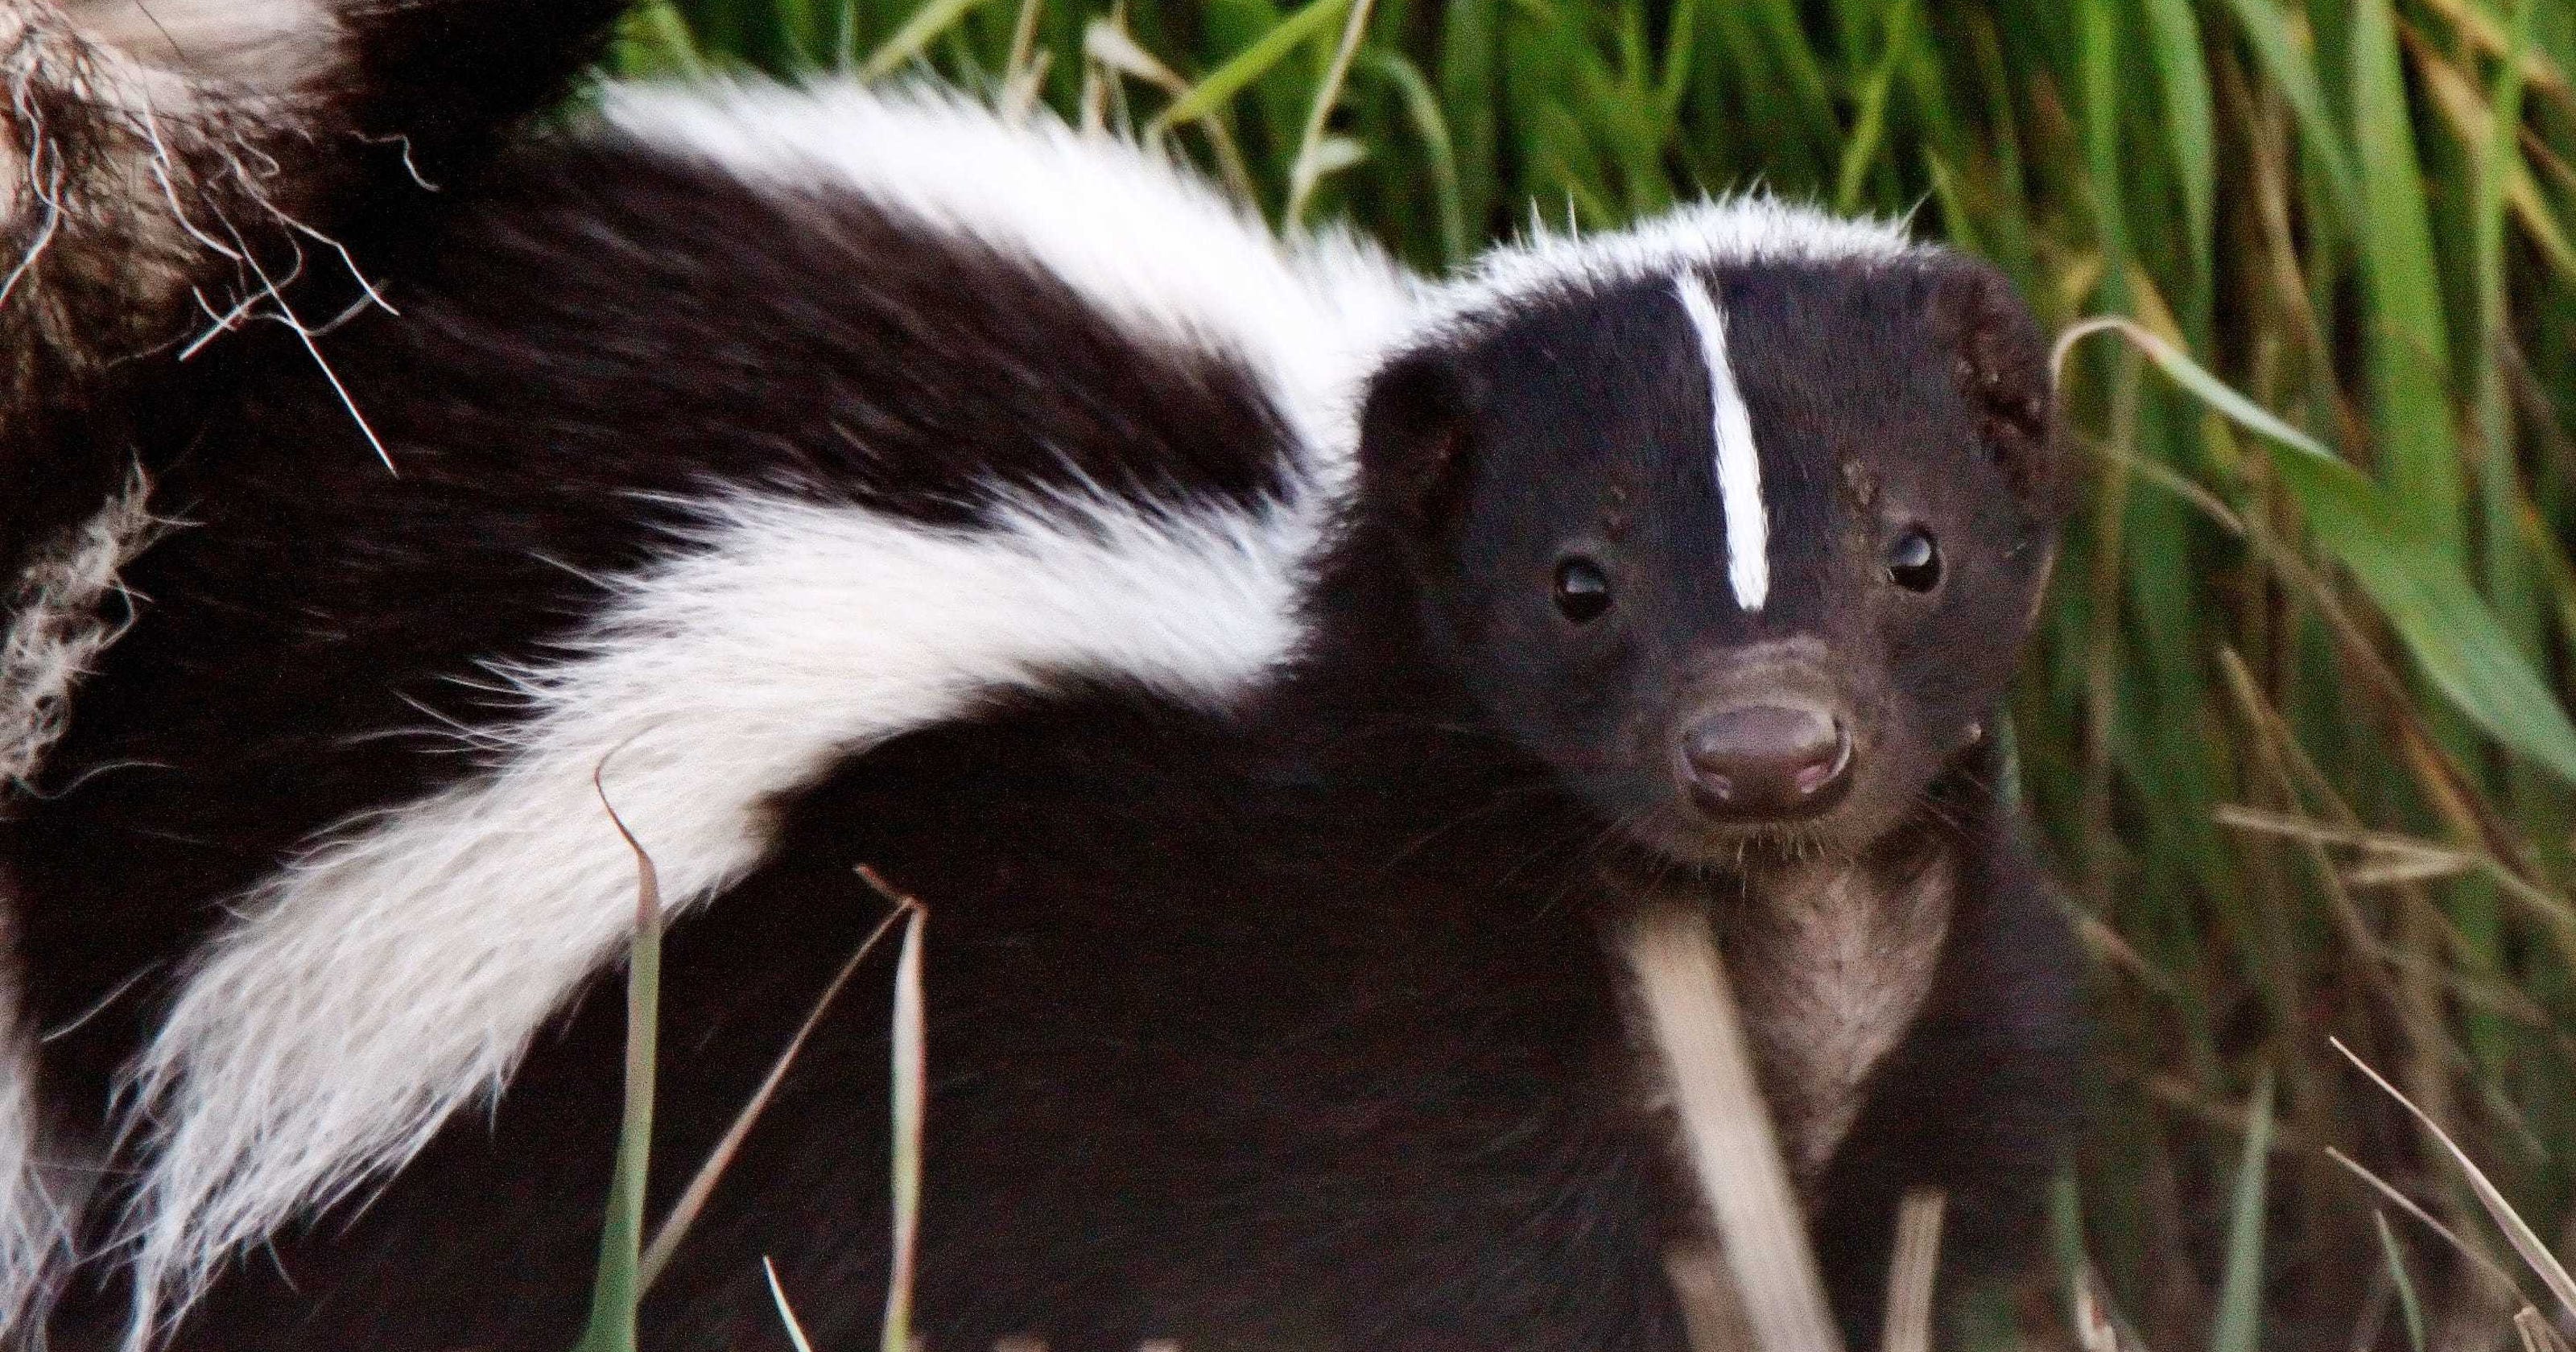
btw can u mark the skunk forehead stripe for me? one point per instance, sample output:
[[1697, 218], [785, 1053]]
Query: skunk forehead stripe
[[1739, 469]]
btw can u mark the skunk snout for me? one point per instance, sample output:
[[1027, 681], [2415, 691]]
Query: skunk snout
[[1771, 761]]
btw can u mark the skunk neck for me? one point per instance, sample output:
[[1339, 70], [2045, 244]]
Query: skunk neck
[[1834, 959]]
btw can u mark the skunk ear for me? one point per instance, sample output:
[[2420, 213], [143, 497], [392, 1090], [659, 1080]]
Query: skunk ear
[[1416, 435], [2000, 359]]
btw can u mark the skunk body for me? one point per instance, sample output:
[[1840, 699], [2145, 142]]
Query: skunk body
[[858, 480]]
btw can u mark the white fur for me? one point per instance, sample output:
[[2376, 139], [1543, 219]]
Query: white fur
[[398, 970], [35, 1230], [1739, 465], [1709, 234], [1835, 969], [1153, 246], [68, 609]]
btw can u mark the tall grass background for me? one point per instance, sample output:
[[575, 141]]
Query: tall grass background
[[2294, 728]]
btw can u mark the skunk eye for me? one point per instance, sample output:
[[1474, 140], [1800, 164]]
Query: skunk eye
[[1582, 589], [1914, 561]]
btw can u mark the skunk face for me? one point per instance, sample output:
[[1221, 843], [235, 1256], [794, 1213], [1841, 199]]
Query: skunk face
[[1743, 552]]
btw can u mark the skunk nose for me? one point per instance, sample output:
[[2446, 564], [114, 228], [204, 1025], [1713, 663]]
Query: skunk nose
[[1759, 762]]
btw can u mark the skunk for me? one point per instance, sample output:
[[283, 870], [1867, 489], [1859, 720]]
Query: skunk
[[1277, 675]]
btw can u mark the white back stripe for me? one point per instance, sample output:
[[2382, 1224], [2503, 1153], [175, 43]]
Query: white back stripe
[[1739, 469], [399, 968]]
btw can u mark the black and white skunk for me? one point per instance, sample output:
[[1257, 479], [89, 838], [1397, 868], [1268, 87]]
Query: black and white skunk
[[1278, 675]]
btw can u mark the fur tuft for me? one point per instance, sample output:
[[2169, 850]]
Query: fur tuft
[[171, 170], [268, 45], [130, 181], [69, 608], [36, 1217]]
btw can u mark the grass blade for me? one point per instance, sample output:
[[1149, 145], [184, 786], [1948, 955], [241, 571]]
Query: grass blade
[[693, 1199], [2184, 75], [917, 33], [2285, 56], [1318, 154], [786, 1316], [2486, 1267], [2408, 1306], [1469, 60], [616, 1290], [1253, 62], [2406, 335], [2534, 1254], [1760, 1228], [910, 1070], [2455, 637], [1913, 1270], [2536, 1334], [1439, 150], [2240, 1294], [2101, 74], [1860, 149], [654, 40]]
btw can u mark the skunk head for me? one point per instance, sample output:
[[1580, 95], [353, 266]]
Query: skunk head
[[1743, 550]]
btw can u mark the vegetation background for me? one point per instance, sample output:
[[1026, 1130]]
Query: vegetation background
[[2295, 727]]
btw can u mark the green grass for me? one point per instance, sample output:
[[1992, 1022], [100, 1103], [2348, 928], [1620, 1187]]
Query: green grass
[[2294, 726]]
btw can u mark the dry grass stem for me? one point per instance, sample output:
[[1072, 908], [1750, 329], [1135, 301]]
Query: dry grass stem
[[693, 1199], [2486, 1266], [1727, 1130], [1914, 1269], [786, 1315]]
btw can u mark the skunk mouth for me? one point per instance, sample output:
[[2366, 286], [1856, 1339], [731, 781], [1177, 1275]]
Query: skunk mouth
[[1678, 837], [1677, 831], [1890, 783]]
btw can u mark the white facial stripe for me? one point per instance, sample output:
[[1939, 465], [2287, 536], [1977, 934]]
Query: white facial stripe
[[1739, 469]]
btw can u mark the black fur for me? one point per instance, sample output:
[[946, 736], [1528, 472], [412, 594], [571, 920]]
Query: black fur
[[1290, 1026], [1378, 1096]]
